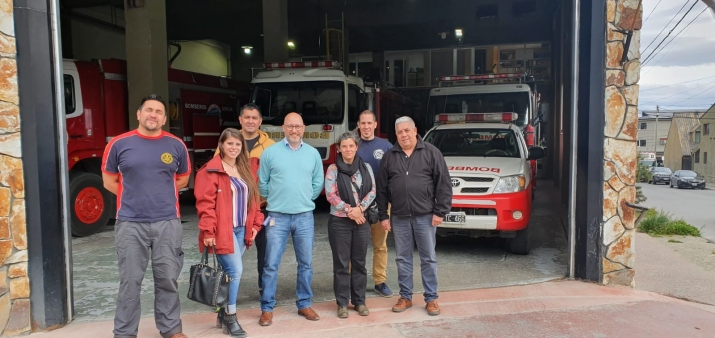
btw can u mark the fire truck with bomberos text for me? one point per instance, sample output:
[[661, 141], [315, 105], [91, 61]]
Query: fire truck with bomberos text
[[492, 181], [491, 93], [329, 102], [198, 108]]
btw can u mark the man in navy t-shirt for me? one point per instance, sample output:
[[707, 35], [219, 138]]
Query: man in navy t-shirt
[[145, 168], [370, 151]]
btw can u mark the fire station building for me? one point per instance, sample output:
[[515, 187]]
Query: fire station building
[[594, 71]]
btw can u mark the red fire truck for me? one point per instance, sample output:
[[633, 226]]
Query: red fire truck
[[199, 107], [389, 104], [490, 93]]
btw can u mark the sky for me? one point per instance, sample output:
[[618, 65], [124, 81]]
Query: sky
[[682, 75]]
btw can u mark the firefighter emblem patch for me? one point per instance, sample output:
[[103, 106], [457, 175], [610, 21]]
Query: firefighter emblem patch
[[167, 158], [377, 154]]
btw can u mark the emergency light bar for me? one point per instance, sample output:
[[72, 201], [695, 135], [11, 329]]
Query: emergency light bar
[[477, 117], [482, 77], [308, 64]]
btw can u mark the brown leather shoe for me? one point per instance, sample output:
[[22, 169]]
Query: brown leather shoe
[[362, 310], [402, 305], [266, 319], [309, 314], [179, 335], [432, 308]]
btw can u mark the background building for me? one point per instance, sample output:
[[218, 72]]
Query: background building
[[653, 131], [681, 141], [703, 161]]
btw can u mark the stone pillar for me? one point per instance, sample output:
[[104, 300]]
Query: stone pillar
[[146, 47], [620, 149], [14, 280], [275, 30]]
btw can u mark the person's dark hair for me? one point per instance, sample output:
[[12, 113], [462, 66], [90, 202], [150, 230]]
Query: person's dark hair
[[368, 112], [251, 106], [242, 163], [349, 135], [153, 97]]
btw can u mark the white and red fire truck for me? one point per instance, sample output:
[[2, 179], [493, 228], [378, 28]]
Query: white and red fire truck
[[329, 101], [96, 109], [492, 182], [489, 93]]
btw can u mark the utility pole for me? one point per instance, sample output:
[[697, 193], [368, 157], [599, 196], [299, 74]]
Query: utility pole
[[655, 138]]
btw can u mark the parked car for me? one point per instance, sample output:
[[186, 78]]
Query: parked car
[[660, 175], [687, 179]]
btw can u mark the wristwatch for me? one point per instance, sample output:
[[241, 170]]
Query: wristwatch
[[346, 209]]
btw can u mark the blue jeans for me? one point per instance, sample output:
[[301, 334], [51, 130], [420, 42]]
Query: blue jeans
[[408, 230], [301, 228], [233, 264]]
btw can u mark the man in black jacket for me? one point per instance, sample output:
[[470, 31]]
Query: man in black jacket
[[414, 178]]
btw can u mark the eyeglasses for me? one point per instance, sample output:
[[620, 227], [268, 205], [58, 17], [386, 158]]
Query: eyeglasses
[[294, 127]]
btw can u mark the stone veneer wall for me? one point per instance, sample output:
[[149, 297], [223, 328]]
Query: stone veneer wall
[[620, 148], [14, 282]]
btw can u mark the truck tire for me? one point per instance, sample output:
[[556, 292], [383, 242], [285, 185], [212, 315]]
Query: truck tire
[[90, 204], [519, 245]]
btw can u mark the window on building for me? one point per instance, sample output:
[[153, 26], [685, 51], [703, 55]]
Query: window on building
[[696, 139], [706, 129], [705, 157], [641, 143], [487, 11], [523, 8], [643, 126], [697, 156]]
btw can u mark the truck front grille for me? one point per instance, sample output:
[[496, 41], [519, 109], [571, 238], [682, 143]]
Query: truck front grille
[[476, 211], [474, 190]]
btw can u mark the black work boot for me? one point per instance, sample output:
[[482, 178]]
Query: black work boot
[[233, 328], [220, 317]]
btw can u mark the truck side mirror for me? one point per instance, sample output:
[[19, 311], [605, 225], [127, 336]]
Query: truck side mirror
[[536, 153]]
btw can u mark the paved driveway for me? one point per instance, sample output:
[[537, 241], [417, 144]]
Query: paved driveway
[[695, 206]]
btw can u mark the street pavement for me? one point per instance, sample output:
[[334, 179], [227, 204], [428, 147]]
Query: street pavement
[[678, 266], [464, 263], [692, 205]]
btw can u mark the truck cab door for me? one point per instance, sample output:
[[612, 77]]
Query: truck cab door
[[78, 128]]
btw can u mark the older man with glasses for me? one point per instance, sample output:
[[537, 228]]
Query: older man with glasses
[[290, 177]]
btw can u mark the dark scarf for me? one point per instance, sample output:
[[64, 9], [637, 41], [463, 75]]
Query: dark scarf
[[345, 172]]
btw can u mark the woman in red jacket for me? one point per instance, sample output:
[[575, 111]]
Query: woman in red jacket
[[228, 204]]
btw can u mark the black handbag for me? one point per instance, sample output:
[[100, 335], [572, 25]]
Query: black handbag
[[208, 285], [372, 214]]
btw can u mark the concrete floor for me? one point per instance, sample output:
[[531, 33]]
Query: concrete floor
[[552, 309], [464, 263]]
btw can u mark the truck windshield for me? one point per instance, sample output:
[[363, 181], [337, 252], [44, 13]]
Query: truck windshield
[[482, 103], [317, 101], [475, 142]]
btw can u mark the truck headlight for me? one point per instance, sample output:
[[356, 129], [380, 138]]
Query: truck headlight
[[510, 184]]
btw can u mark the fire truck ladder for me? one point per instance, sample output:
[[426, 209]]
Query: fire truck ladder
[[335, 40]]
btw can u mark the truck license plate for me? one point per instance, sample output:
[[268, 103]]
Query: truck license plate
[[456, 218]]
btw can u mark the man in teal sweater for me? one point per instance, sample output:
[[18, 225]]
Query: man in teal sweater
[[290, 177]]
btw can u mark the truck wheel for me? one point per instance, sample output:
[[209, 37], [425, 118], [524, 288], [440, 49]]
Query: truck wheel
[[519, 245], [90, 204]]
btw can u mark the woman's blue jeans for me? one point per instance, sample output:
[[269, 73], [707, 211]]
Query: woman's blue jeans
[[233, 264]]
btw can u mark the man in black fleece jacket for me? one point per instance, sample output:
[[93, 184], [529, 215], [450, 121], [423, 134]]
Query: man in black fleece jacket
[[414, 178]]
